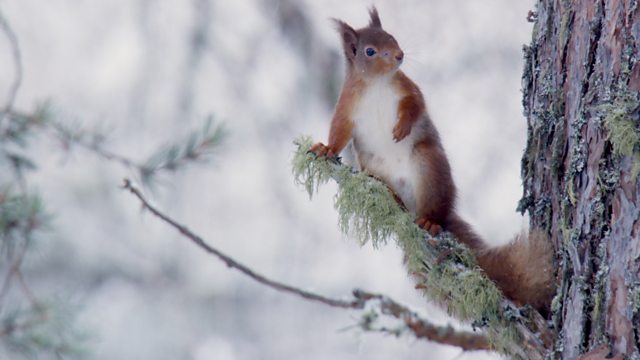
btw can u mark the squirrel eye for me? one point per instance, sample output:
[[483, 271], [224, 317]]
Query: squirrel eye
[[370, 52]]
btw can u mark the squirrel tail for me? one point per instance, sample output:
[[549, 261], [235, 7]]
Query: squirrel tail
[[522, 269]]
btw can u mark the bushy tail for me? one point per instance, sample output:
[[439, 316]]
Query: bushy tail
[[522, 269]]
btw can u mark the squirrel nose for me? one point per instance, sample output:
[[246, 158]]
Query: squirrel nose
[[400, 56]]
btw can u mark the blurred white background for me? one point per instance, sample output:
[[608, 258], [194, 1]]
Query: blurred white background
[[149, 71]]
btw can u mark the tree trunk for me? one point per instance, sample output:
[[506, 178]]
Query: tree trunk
[[580, 169]]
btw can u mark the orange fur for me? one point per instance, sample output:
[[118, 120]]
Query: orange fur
[[523, 269], [436, 192]]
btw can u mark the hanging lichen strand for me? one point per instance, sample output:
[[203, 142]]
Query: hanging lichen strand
[[444, 269]]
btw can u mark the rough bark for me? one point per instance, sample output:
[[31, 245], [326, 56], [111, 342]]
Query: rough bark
[[580, 169]]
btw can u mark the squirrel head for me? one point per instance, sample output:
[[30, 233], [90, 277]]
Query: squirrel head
[[370, 51]]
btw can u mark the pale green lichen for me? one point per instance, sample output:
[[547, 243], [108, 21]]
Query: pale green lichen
[[467, 297], [634, 297], [598, 297], [448, 271], [308, 173], [366, 207], [623, 132]]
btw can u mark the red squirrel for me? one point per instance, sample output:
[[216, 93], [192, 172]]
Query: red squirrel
[[383, 113]]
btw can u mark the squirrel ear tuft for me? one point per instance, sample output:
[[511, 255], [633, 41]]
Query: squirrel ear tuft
[[349, 38], [375, 18]]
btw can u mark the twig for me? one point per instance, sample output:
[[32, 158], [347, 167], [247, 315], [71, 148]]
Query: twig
[[421, 328], [92, 146], [17, 59], [26, 290], [231, 262], [14, 268]]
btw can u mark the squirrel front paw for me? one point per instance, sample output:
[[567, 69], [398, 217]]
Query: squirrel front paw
[[321, 149], [429, 226], [401, 130]]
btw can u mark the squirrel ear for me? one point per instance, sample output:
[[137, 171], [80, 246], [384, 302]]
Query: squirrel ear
[[375, 18], [349, 38]]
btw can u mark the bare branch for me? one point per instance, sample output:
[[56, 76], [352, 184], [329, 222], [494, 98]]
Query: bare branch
[[231, 262], [17, 59], [421, 328]]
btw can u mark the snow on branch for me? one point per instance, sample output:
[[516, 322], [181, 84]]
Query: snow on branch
[[361, 300]]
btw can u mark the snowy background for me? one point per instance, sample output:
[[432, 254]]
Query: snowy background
[[149, 71]]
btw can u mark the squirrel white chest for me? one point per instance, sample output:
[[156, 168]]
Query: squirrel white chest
[[374, 117]]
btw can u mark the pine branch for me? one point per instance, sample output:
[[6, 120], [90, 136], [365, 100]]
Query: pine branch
[[38, 328], [10, 327], [446, 270], [48, 328], [196, 146], [20, 216], [74, 135], [379, 304]]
